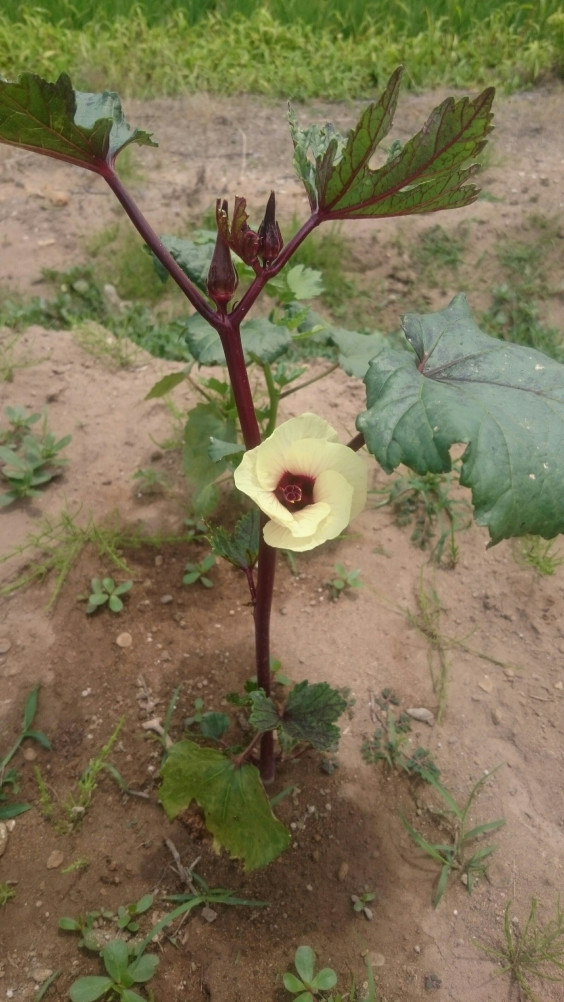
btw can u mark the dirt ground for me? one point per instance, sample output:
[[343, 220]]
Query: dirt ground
[[501, 620]]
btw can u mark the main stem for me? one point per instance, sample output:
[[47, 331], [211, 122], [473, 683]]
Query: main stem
[[228, 327], [230, 335]]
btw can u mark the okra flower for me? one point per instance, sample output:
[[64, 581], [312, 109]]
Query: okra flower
[[308, 484]]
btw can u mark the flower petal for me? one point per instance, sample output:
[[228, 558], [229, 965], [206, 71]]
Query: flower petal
[[306, 446], [337, 493]]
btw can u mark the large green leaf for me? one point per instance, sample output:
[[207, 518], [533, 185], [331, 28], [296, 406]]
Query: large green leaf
[[429, 173], [233, 800], [262, 341], [51, 118], [505, 401]]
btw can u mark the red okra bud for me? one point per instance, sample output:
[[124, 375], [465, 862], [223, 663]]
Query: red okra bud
[[222, 278], [270, 241]]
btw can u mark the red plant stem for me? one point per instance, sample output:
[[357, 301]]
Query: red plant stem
[[357, 442], [263, 606], [228, 328], [242, 308], [230, 336], [159, 250]]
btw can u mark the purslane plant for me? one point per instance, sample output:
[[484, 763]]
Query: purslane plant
[[451, 384]]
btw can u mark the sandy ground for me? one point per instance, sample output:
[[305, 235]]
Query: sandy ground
[[500, 621]]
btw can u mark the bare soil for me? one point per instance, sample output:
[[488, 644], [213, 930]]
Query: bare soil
[[501, 620]]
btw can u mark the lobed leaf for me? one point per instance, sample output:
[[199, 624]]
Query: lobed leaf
[[88, 130], [429, 173], [241, 546], [504, 401], [233, 800]]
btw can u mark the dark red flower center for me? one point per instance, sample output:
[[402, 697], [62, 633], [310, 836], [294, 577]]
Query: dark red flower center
[[295, 491]]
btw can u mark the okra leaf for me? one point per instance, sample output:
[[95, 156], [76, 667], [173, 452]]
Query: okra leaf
[[233, 800], [88, 130], [241, 546], [310, 714], [429, 173], [264, 715], [504, 401]]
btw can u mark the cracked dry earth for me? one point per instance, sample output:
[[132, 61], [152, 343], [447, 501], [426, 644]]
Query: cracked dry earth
[[501, 623]]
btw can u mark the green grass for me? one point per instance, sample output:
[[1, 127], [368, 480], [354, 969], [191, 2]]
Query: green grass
[[291, 49]]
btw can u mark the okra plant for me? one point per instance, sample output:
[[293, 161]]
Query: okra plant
[[450, 383]]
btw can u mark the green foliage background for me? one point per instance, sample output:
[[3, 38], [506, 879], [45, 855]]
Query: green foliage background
[[336, 49]]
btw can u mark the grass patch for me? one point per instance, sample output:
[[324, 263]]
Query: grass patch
[[514, 314], [55, 546], [535, 953], [337, 51]]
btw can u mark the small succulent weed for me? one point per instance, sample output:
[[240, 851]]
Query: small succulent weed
[[124, 968], [105, 591], [307, 986], [198, 571], [90, 926], [361, 904], [28, 461], [7, 892], [343, 581], [534, 952], [453, 857]]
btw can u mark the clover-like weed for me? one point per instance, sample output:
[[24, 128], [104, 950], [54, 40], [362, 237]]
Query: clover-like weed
[[307, 986], [198, 571], [124, 968], [106, 592], [343, 581]]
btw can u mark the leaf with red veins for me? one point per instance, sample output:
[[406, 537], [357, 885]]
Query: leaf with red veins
[[428, 174], [88, 130]]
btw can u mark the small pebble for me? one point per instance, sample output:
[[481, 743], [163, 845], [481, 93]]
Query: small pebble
[[422, 714], [486, 684], [124, 640], [5, 645], [55, 859], [343, 870], [40, 974], [166, 599]]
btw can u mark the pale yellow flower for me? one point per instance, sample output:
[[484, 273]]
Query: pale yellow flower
[[308, 484]]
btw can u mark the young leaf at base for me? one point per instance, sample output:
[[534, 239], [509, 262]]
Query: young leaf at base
[[233, 800]]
